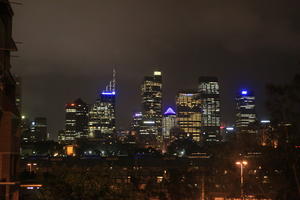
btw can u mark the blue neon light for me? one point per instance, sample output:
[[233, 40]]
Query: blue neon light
[[108, 93], [138, 114], [230, 129], [244, 92], [188, 95], [170, 111]]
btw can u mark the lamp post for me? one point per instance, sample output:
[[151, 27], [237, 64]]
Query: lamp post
[[30, 165], [241, 164]]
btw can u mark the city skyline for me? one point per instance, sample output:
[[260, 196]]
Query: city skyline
[[262, 114], [199, 41], [149, 100]]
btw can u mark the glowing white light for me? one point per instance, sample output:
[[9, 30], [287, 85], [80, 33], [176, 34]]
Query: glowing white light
[[149, 122], [157, 73], [265, 121]]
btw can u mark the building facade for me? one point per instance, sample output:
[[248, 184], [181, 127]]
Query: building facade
[[152, 104], [18, 93], [245, 112], [169, 121], [189, 114], [102, 115], [9, 114], [151, 126], [76, 120], [39, 128], [209, 92], [137, 120]]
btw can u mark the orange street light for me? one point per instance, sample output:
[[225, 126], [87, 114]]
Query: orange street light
[[241, 164]]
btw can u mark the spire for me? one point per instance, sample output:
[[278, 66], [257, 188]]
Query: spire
[[111, 87], [114, 80]]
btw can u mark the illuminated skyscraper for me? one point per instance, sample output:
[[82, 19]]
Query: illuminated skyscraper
[[152, 104], [137, 121], [102, 116], [245, 112], [169, 121], [210, 103], [39, 129], [189, 113], [76, 120]]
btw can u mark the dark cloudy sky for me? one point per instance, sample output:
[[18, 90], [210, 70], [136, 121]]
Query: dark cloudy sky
[[70, 47]]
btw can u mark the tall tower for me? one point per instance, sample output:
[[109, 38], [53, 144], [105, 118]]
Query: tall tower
[[102, 116], [189, 113], [245, 112], [76, 120], [169, 121], [39, 128], [136, 123], [209, 91], [152, 103]]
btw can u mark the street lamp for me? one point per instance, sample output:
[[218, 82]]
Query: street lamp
[[241, 164], [30, 166]]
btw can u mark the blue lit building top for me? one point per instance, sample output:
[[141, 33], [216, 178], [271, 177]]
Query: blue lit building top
[[170, 111], [244, 92], [109, 93]]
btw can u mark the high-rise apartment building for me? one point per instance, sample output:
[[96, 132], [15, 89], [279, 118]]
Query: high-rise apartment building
[[102, 115], [245, 112], [76, 124], [152, 104], [189, 113], [209, 92]]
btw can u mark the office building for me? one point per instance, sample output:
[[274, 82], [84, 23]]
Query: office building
[[245, 112], [209, 92], [227, 133], [102, 115], [137, 120], [76, 124], [9, 114], [27, 136], [266, 134], [189, 113], [34, 131], [152, 104], [61, 137], [169, 121], [39, 129]]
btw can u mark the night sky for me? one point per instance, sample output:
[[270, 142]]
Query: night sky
[[71, 46]]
